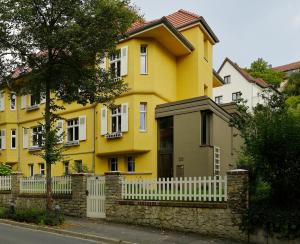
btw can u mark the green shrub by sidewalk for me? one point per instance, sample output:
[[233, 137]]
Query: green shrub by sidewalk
[[33, 216]]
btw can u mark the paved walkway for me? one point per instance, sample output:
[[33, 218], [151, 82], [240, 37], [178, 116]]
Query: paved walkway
[[136, 234]]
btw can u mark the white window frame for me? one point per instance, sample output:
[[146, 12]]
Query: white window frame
[[13, 138], [143, 59], [143, 114], [117, 114], [236, 96], [131, 160], [13, 97], [38, 132], [227, 79], [219, 99], [42, 169], [115, 162], [2, 139], [73, 124], [31, 170], [115, 59]]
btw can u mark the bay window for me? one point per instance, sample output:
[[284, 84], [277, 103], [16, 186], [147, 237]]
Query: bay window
[[115, 64], [143, 116], [37, 136], [144, 59], [116, 119], [73, 130]]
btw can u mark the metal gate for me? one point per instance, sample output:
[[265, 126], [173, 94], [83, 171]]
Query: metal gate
[[96, 197]]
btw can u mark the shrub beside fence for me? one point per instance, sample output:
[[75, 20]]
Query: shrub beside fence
[[177, 189], [5, 183], [60, 185]]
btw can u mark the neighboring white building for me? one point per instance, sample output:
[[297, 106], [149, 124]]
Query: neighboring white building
[[238, 83]]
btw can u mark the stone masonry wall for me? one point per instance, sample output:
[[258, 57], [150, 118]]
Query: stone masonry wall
[[216, 219], [71, 204]]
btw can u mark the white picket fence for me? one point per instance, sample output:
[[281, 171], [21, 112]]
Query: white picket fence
[[60, 185], [177, 189], [5, 183]]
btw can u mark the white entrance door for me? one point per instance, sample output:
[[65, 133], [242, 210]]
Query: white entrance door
[[96, 197]]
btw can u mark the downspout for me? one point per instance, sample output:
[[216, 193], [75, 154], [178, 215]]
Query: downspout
[[19, 138], [94, 140]]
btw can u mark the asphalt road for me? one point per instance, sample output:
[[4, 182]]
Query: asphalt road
[[16, 235]]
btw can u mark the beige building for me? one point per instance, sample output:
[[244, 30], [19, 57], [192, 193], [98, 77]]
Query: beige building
[[195, 138]]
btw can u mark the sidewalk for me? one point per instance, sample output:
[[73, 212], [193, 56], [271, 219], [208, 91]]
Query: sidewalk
[[135, 234]]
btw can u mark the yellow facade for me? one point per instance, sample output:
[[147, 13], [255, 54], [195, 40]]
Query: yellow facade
[[173, 73]]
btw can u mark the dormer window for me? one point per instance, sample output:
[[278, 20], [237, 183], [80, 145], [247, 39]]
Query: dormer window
[[227, 79]]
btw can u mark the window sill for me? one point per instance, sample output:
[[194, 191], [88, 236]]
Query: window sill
[[206, 145], [143, 131], [71, 143], [33, 149], [113, 135], [32, 108]]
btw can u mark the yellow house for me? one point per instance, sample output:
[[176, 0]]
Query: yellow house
[[162, 61]]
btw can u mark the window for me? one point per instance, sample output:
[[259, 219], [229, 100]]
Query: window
[[2, 101], [143, 116], [205, 130], [73, 130], [37, 136], [66, 167], [113, 164], [144, 60], [13, 99], [227, 79], [236, 96], [2, 139], [219, 99], [35, 100], [30, 167], [78, 166], [115, 64], [116, 120], [13, 139], [42, 168], [130, 164]]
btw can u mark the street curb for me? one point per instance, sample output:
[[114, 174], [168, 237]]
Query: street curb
[[104, 240]]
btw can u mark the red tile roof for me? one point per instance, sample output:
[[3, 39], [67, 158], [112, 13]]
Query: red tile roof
[[178, 19], [287, 67]]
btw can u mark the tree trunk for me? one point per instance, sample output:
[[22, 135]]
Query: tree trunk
[[49, 203]]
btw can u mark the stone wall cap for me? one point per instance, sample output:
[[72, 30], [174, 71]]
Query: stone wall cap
[[237, 172]]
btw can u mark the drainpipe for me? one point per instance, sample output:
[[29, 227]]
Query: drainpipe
[[94, 139]]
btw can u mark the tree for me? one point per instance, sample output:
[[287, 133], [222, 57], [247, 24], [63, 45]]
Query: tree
[[293, 85], [271, 149], [55, 47], [261, 69]]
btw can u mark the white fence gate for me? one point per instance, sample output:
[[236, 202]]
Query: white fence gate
[[96, 197]]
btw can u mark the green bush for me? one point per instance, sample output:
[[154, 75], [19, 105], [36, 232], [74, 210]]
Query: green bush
[[5, 169], [33, 216]]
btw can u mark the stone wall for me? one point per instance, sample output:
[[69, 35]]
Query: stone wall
[[216, 219], [74, 204]]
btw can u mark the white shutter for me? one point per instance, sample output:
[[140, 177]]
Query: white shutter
[[2, 101], [82, 128], [124, 60], [43, 98], [124, 117], [23, 102], [60, 130], [103, 63], [25, 137], [103, 120], [3, 138]]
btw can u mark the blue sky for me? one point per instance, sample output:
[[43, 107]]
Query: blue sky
[[247, 29]]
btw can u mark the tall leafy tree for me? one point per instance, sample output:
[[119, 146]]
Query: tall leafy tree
[[55, 47], [261, 69]]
